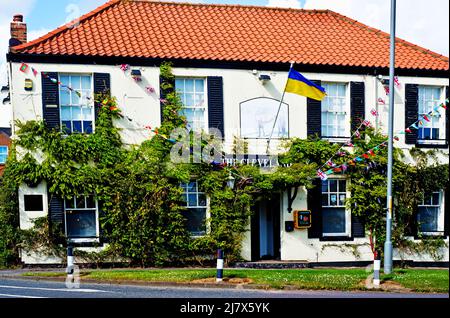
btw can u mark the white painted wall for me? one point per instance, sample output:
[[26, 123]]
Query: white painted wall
[[239, 86], [26, 218]]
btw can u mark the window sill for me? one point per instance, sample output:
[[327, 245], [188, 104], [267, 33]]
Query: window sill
[[336, 238], [342, 140], [84, 240], [437, 143]]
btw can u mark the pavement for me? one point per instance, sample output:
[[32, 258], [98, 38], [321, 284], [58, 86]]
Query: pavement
[[12, 285]]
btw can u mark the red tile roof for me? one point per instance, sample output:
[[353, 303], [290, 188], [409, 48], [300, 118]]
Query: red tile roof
[[166, 30]]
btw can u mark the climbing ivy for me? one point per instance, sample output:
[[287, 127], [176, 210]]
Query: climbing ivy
[[138, 188]]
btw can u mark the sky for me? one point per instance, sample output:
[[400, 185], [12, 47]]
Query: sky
[[425, 23]]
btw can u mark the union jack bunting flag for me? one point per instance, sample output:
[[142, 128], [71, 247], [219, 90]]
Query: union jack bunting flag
[[322, 175]]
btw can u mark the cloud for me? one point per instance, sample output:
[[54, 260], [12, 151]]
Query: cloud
[[425, 23], [296, 4]]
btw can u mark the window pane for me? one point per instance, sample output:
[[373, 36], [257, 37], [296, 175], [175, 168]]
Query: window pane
[[189, 100], [67, 127], [333, 199], [199, 86], [77, 127], [324, 186], [435, 198], [65, 97], [86, 82], [427, 200], [324, 199], [75, 99], [80, 203], [333, 221], [70, 204], [65, 113], [193, 200], [76, 82], [179, 84], [342, 185], [199, 100], [76, 113], [427, 219], [333, 185], [64, 79], [90, 202], [195, 221], [87, 127], [192, 187], [81, 224], [189, 86], [342, 198], [201, 199], [86, 113]]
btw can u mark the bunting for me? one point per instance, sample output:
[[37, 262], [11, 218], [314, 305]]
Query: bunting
[[426, 117]]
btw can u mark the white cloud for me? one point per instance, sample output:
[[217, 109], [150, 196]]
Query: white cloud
[[425, 23], [296, 4]]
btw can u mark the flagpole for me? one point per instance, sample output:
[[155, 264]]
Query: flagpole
[[278, 112], [388, 242]]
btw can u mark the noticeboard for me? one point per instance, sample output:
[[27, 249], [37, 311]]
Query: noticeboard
[[302, 219]]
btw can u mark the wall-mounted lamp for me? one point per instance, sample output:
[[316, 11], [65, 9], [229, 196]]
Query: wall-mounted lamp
[[5, 89], [230, 182], [264, 78], [136, 75], [7, 99], [28, 85]]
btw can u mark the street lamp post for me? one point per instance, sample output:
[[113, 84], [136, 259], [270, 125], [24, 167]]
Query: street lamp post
[[388, 243]]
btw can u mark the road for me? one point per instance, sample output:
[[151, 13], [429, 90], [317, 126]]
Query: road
[[17, 288]]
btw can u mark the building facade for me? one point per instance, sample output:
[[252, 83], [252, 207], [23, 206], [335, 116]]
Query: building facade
[[231, 64]]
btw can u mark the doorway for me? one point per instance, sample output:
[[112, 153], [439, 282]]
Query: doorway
[[265, 230]]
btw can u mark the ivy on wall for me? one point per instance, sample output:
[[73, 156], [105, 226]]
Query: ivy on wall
[[140, 197]]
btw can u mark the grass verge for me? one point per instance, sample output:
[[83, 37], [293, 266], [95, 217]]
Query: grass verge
[[418, 280]]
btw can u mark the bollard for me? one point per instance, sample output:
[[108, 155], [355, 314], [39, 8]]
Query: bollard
[[69, 260], [376, 268], [219, 266]]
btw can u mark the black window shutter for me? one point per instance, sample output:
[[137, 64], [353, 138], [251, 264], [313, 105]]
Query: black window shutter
[[56, 212], [164, 91], [102, 85], [411, 111], [314, 115], [412, 226], [446, 209], [101, 215], [357, 104], [315, 206], [447, 120], [50, 101], [215, 104], [358, 229]]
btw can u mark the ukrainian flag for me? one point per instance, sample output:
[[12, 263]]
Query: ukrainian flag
[[300, 85]]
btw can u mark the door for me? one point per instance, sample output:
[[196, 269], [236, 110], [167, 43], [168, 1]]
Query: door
[[265, 230]]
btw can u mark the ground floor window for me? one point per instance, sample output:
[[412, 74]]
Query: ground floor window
[[81, 216], [429, 217], [196, 204], [335, 217]]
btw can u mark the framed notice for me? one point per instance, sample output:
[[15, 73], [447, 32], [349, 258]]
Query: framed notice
[[302, 219]]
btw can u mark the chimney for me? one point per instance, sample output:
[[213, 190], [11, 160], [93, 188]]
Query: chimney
[[18, 31]]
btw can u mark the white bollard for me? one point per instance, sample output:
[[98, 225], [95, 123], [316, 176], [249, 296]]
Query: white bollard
[[219, 277], [376, 269]]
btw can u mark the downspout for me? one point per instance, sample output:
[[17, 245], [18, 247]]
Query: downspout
[[13, 132]]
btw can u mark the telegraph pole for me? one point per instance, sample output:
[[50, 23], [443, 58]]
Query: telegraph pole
[[388, 243]]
